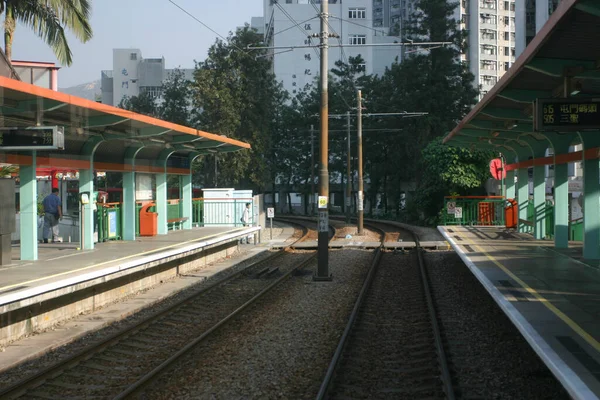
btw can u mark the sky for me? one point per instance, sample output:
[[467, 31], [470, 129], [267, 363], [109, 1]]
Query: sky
[[156, 27]]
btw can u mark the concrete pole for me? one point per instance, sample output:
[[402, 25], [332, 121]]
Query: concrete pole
[[312, 170], [323, 223], [348, 171], [360, 167]]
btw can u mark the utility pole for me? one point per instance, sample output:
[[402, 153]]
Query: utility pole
[[323, 222], [348, 158], [360, 166], [312, 170]]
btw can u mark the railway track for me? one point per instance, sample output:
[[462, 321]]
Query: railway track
[[392, 345], [122, 364]]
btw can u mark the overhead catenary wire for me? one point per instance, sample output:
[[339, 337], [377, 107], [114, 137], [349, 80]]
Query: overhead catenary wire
[[204, 25], [292, 20]]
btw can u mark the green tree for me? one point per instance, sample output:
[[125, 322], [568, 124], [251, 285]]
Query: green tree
[[236, 95], [176, 100], [142, 104], [449, 171], [49, 19]]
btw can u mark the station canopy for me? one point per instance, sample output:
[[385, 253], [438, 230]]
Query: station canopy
[[112, 130], [563, 60]]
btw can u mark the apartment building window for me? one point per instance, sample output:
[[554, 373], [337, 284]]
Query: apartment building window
[[465, 4], [488, 49], [152, 91], [506, 51], [506, 35], [357, 39], [489, 4], [488, 80], [506, 5], [488, 65], [512, 51], [133, 56], [362, 67], [488, 34], [506, 65], [357, 13], [487, 19], [512, 6]]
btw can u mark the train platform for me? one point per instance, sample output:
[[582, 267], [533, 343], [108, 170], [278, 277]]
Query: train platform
[[27, 348], [551, 296], [65, 282]]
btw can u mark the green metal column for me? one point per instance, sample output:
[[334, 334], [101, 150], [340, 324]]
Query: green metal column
[[561, 206], [560, 145], [591, 197], [523, 196], [185, 182], [539, 201], [86, 184], [510, 184], [28, 218], [129, 211], [591, 210], [161, 203]]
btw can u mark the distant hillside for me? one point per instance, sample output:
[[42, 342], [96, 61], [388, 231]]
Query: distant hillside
[[90, 90]]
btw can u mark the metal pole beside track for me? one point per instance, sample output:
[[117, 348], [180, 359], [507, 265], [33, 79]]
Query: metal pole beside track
[[323, 205], [360, 166], [348, 171]]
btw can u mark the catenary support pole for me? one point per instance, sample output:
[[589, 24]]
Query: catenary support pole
[[348, 171], [360, 167], [323, 222]]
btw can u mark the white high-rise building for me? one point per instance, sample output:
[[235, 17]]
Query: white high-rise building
[[531, 15], [132, 75], [491, 38], [289, 23]]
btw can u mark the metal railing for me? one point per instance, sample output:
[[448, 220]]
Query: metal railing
[[473, 210]]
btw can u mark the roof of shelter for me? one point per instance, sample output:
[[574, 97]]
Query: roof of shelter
[[565, 54], [114, 129]]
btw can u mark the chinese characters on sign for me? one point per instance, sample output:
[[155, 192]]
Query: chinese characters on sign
[[569, 115]]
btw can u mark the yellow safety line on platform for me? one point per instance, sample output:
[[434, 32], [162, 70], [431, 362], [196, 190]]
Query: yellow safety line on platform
[[579, 330], [111, 261]]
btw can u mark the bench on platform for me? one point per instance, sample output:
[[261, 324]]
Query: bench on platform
[[525, 222], [177, 223]]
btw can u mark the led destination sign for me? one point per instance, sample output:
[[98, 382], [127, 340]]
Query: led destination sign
[[32, 138], [567, 114]]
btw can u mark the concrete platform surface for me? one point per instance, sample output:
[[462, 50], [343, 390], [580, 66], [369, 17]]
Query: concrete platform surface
[[39, 344], [551, 297], [61, 264]]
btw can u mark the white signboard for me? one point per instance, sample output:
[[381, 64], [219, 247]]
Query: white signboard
[[270, 212], [458, 212], [451, 207], [143, 187], [323, 201]]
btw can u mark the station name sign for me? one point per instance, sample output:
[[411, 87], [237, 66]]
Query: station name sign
[[32, 138], [567, 114]]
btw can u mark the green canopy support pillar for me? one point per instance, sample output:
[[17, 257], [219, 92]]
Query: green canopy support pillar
[[591, 199], [560, 145], [510, 184], [185, 182], [538, 148], [129, 209], [28, 218], [86, 184], [523, 153], [161, 191]]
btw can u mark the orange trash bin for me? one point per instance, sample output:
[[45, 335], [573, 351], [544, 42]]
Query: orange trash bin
[[148, 221], [511, 214]]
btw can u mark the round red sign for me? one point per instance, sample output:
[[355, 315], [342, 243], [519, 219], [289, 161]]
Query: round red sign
[[496, 169]]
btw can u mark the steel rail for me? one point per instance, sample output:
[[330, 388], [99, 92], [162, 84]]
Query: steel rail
[[139, 385], [344, 339], [21, 387], [442, 359]]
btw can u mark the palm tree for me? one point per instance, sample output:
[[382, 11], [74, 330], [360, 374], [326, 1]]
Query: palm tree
[[48, 19]]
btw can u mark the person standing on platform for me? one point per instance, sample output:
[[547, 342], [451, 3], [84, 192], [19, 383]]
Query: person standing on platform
[[52, 214], [246, 219]]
